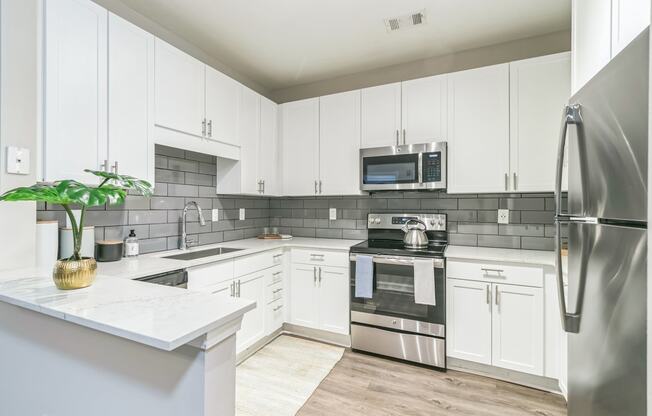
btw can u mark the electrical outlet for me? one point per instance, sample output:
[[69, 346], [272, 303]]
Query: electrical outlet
[[332, 214], [215, 215], [503, 216], [242, 214]]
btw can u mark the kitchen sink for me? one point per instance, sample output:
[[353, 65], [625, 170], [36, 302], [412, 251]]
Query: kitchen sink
[[193, 255]]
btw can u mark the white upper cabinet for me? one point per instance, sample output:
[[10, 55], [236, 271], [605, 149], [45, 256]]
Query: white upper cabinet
[[518, 328], [539, 90], [300, 161], [268, 159], [249, 138], [75, 89], [601, 29], [131, 99], [628, 19], [424, 110], [339, 144], [381, 115], [478, 130], [222, 94], [180, 91]]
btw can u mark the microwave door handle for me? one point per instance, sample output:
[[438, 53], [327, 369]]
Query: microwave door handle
[[570, 321]]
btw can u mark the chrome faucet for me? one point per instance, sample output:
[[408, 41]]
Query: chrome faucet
[[185, 242]]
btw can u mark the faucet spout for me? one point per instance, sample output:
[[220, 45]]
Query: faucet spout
[[184, 242]]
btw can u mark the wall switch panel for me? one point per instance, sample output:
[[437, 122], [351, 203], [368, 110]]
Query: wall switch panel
[[503, 216], [242, 214], [332, 214], [17, 160], [215, 215]]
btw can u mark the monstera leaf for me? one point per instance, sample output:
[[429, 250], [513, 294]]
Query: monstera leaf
[[124, 181], [68, 192]]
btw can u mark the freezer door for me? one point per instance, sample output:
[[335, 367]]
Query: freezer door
[[607, 155], [607, 289]]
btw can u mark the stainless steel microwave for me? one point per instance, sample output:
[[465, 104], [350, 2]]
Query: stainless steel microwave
[[406, 167]]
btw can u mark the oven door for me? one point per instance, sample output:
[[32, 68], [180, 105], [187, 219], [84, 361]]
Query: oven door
[[392, 305]]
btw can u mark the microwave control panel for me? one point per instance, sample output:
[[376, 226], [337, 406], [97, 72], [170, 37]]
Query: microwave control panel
[[431, 166]]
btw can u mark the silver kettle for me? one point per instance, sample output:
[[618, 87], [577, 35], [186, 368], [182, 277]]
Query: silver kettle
[[415, 235]]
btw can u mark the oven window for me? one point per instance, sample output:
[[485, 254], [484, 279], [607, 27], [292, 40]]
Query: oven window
[[380, 170], [393, 295]]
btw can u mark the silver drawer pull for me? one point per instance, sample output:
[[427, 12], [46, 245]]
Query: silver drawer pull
[[317, 255], [277, 290], [276, 273], [277, 255], [487, 270], [277, 308]]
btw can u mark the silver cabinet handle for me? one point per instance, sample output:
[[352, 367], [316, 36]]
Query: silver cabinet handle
[[316, 257], [275, 256], [203, 128], [238, 289], [488, 294], [263, 186], [277, 308], [277, 290], [314, 276], [114, 167], [397, 143], [487, 270], [571, 115], [514, 178], [315, 187], [320, 277], [497, 296], [506, 182], [320, 186], [232, 289], [105, 166], [403, 136], [210, 128]]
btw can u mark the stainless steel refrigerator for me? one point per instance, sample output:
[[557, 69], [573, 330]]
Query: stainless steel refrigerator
[[605, 128]]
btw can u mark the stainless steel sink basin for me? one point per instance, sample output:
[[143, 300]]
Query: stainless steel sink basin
[[192, 255]]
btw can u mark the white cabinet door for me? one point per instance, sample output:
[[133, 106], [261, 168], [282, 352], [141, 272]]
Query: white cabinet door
[[591, 39], [131, 99], [333, 288], [518, 328], [252, 287], [268, 155], [303, 297], [339, 144], [75, 89], [424, 110], [381, 115], [628, 19], [468, 311], [222, 94], [478, 130], [300, 127], [249, 138], [539, 89], [179, 90]]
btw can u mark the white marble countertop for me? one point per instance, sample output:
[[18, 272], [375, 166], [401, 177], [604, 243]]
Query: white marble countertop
[[159, 316], [150, 264], [510, 255]]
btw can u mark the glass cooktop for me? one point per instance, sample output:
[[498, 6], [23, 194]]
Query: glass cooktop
[[395, 247]]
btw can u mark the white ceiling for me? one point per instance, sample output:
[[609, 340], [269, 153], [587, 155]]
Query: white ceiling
[[282, 43]]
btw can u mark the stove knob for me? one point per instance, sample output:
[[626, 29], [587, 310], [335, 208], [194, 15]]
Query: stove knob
[[432, 222], [441, 223]]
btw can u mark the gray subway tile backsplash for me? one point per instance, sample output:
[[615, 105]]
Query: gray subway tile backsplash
[[182, 176]]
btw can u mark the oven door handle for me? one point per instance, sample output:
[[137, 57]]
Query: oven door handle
[[399, 260]]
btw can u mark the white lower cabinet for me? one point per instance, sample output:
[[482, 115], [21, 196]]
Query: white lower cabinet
[[496, 324], [320, 297], [251, 287]]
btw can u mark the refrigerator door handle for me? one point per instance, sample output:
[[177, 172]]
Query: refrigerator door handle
[[570, 322], [570, 116]]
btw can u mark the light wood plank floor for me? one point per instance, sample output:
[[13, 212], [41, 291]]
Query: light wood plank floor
[[366, 385]]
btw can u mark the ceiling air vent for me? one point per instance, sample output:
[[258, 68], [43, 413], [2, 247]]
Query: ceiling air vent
[[407, 21]]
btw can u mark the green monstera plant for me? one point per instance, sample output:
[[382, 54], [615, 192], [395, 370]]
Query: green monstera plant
[[113, 189]]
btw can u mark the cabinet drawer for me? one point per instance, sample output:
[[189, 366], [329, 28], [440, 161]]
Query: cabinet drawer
[[321, 257], [275, 315], [274, 292], [255, 262], [275, 275], [210, 274], [486, 271]]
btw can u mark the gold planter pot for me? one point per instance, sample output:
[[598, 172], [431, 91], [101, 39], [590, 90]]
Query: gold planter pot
[[74, 274]]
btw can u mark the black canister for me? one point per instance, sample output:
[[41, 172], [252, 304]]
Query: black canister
[[108, 250]]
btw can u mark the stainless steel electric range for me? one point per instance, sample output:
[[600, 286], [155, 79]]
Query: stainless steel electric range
[[391, 323]]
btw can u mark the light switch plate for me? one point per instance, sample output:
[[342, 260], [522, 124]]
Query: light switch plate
[[242, 214], [17, 160], [503, 216], [215, 215], [332, 214]]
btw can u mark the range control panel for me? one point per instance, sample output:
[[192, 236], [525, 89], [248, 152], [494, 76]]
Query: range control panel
[[434, 222]]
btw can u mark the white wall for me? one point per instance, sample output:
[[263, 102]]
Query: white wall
[[18, 124]]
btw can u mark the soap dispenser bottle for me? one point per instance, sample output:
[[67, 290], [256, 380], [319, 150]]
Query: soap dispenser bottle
[[131, 244]]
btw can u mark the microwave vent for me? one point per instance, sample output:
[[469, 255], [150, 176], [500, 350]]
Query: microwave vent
[[407, 21]]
